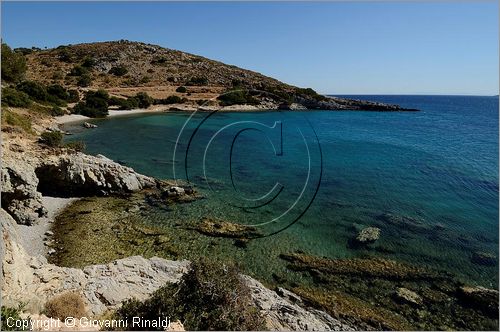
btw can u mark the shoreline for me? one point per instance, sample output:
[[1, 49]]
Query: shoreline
[[35, 238]]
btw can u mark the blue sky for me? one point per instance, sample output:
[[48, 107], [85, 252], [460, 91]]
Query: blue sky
[[342, 48]]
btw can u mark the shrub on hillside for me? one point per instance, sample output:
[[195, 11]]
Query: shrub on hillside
[[95, 104], [35, 90], [84, 80], [65, 305], [73, 96], [57, 111], [171, 100], [144, 99], [64, 55], [210, 296], [118, 71], [13, 64], [181, 89], [197, 81], [78, 71], [88, 62], [239, 97], [51, 138], [58, 91], [15, 98]]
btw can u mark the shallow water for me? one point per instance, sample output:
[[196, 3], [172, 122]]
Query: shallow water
[[438, 168]]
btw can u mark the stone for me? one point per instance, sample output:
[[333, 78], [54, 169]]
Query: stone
[[368, 235], [482, 298], [484, 258], [408, 296], [89, 125]]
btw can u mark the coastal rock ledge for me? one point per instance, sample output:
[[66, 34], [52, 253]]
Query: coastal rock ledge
[[26, 177], [33, 281]]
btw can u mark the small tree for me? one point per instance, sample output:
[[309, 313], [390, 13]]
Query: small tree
[[52, 138], [181, 89], [13, 64], [118, 71]]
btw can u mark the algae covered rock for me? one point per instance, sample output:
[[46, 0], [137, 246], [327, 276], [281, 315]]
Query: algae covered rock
[[484, 258], [482, 298], [219, 228], [368, 235], [408, 296]]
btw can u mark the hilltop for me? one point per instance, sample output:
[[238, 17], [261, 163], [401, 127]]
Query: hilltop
[[124, 68]]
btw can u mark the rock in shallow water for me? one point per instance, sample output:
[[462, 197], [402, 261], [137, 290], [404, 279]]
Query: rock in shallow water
[[484, 258], [407, 296], [368, 235]]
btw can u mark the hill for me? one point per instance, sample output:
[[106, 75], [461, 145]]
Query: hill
[[124, 68]]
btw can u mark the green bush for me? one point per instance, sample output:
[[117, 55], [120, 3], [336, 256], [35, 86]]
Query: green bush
[[95, 104], [84, 80], [116, 101], [52, 138], [181, 89], [78, 71], [13, 64], [64, 55], [237, 98], [14, 98], [210, 296], [77, 146], [197, 81], [144, 99], [58, 91], [118, 71], [88, 63], [73, 96], [57, 111], [171, 100], [33, 89], [14, 314]]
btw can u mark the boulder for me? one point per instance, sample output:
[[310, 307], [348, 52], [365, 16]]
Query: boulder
[[89, 125], [368, 235], [408, 296], [481, 298], [20, 196], [484, 258]]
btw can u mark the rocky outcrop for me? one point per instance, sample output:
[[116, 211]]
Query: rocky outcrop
[[368, 235], [483, 298], [33, 281], [25, 177], [282, 314], [20, 196], [408, 296], [83, 175]]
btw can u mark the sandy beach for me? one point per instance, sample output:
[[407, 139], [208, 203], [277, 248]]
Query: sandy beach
[[112, 113]]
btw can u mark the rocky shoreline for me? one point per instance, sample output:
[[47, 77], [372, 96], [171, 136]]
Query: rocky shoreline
[[31, 173], [346, 295]]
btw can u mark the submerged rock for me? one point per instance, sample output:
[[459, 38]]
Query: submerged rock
[[482, 298], [220, 228], [484, 258], [408, 296], [368, 235]]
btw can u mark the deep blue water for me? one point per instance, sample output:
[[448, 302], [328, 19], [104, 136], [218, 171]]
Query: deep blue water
[[435, 171]]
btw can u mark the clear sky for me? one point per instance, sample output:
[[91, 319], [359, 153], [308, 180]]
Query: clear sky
[[341, 48]]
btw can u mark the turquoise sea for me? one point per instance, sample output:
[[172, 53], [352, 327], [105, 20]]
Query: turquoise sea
[[428, 179]]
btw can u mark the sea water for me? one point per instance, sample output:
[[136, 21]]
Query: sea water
[[311, 180]]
